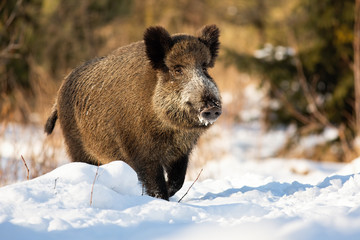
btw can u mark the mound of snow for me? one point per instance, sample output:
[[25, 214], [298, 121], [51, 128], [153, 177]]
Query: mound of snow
[[57, 206]]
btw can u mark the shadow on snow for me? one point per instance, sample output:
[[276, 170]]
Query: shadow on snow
[[278, 189]]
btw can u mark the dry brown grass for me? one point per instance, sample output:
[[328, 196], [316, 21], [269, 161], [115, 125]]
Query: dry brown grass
[[28, 143]]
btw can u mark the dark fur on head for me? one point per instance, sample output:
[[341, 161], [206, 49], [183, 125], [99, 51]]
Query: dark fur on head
[[210, 37], [158, 42]]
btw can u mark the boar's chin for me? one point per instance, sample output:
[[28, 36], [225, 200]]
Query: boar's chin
[[184, 119]]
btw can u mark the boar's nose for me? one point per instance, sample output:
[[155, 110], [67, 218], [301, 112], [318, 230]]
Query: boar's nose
[[211, 113]]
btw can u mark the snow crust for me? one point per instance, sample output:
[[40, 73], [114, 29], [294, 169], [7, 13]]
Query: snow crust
[[252, 205]]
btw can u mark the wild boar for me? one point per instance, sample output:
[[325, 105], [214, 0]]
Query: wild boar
[[146, 103]]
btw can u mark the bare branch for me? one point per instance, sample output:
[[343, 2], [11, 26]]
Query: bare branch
[[13, 14], [308, 93], [92, 188], [8, 51], [298, 115], [16, 40], [191, 186], [27, 169]]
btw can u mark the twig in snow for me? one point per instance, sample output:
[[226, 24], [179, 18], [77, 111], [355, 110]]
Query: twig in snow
[[55, 182], [92, 188], [27, 169], [191, 185]]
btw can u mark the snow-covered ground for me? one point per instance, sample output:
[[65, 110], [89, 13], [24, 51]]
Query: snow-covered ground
[[243, 195]]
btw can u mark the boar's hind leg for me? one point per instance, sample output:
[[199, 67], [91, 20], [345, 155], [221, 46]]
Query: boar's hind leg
[[176, 175], [154, 181], [76, 149], [78, 154]]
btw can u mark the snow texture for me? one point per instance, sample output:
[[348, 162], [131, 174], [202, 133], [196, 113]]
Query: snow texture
[[267, 199]]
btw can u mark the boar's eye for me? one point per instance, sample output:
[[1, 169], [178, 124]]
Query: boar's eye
[[178, 70]]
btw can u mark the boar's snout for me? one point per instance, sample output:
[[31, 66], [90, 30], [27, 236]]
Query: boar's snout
[[210, 114]]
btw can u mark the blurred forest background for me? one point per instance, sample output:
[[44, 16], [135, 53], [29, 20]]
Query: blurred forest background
[[300, 53]]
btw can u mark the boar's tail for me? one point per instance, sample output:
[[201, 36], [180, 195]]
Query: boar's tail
[[50, 123]]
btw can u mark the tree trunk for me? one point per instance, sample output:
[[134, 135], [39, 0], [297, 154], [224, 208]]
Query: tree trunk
[[357, 64], [357, 73]]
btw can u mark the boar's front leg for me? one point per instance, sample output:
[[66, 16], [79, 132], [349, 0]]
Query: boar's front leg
[[152, 176], [176, 174]]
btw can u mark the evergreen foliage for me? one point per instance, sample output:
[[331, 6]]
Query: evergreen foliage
[[320, 36]]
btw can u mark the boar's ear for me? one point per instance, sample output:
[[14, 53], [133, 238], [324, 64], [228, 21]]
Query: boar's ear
[[209, 35], [158, 43]]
